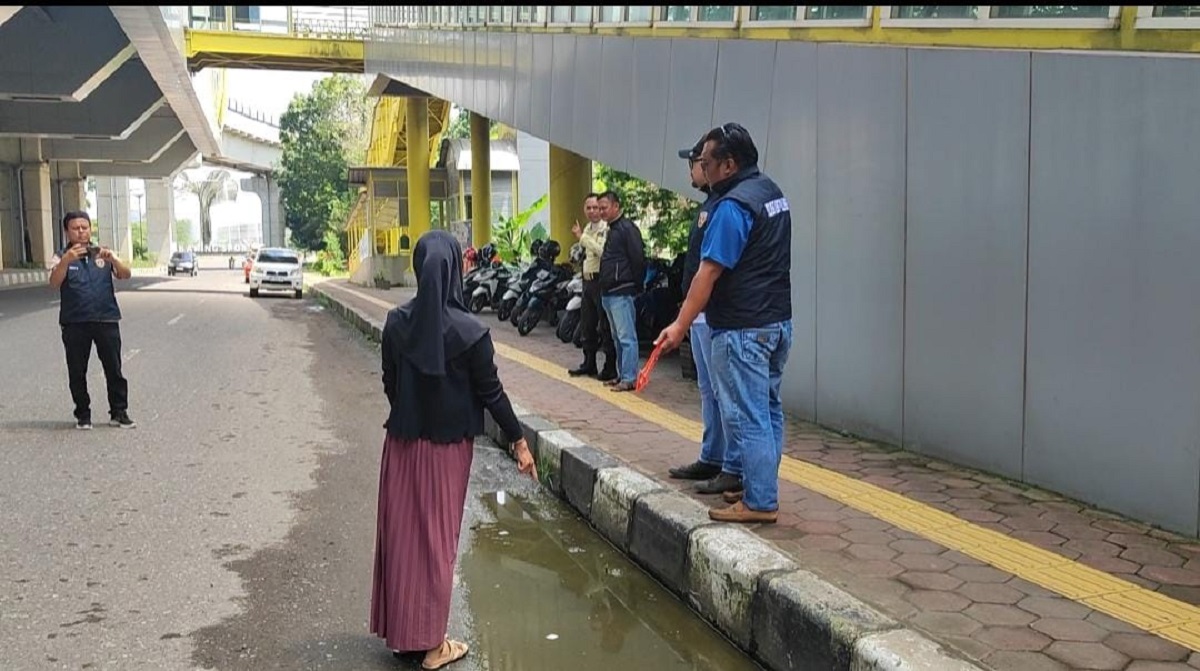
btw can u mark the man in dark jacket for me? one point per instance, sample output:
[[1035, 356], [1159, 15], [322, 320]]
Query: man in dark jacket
[[88, 313], [744, 288], [719, 467], [622, 274]]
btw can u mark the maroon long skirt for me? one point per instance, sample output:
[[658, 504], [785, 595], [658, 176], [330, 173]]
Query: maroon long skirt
[[422, 491]]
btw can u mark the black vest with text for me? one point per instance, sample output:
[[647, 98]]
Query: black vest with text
[[691, 263], [87, 293], [758, 291]]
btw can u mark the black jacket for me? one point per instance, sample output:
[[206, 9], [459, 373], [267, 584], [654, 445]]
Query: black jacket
[[450, 408], [623, 263]]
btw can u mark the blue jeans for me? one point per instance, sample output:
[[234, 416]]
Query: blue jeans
[[747, 370], [714, 449], [624, 329]]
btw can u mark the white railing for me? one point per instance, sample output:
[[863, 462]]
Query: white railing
[[330, 22]]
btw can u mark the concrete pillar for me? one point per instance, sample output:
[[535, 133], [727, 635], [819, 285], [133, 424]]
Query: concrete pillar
[[160, 219], [10, 219], [272, 210], [39, 220], [481, 181], [417, 171], [570, 183], [112, 216]]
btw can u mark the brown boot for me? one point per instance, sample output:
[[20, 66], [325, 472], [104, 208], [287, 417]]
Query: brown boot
[[738, 512]]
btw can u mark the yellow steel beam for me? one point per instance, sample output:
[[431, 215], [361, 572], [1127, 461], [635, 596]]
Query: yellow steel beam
[[217, 48], [1102, 39]]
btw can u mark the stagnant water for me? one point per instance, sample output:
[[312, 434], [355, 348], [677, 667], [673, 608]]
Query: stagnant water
[[546, 592]]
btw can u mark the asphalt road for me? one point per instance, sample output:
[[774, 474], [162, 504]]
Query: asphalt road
[[234, 528]]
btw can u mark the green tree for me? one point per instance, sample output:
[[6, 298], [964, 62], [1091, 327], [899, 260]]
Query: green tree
[[141, 250], [512, 235], [183, 232], [460, 128], [217, 187], [663, 215], [322, 132]]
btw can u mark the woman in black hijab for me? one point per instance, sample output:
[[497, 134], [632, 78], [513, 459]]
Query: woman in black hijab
[[439, 375]]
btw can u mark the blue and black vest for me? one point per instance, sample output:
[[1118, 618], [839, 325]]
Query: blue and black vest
[[87, 292], [691, 263], [758, 291]]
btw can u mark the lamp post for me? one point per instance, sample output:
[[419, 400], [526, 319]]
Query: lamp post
[[141, 217]]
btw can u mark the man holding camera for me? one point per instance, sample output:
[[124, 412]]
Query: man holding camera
[[88, 313]]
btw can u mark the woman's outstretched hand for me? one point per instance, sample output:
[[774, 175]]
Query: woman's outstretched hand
[[524, 458]]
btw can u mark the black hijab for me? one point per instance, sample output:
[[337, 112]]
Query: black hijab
[[435, 326]]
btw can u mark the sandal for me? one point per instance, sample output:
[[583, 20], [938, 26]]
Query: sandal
[[456, 651]]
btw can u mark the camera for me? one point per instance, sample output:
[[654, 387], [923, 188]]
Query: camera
[[93, 250]]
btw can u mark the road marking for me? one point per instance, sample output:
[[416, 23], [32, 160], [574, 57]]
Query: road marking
[[130, 354], [1145, 609], [175, 319]]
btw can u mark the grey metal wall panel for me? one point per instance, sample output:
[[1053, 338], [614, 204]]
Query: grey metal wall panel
[[562, 92], [743, 86], [794, 169], [1113, 381], [588, 66], [860, 239], [543, 73], [968, 176], [495, 62], [523, 86], [689, 106], [507, 77], [467, 72], [648, 104], [613, 121]]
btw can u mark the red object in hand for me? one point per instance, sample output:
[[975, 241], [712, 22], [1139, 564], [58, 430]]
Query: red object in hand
[[643, 377]]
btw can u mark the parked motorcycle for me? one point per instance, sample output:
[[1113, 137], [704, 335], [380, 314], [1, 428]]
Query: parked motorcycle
[[490, 287], [544, 298], [569, 324]]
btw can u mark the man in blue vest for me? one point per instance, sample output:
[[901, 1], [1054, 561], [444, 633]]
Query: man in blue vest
[[88, 314], [744, 288], [719, 467]]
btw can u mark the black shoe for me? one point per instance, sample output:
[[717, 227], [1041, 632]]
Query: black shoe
[[583, 369], [122, 420], [607, 375], [697, 470], [720, 484], [83, 423]]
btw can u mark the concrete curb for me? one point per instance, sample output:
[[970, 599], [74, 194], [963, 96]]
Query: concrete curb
[[785, 617], [16, 279]]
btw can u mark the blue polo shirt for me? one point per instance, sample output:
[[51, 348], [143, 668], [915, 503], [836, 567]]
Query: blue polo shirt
[[728, 231]]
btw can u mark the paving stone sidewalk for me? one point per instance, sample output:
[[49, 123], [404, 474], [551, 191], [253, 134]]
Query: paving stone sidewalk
[[991, 616]]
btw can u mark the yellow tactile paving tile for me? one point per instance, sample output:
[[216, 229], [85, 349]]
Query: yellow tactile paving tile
[[1138, 606]]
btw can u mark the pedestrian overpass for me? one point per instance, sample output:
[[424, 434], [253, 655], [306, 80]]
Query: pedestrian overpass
[[988, 183]]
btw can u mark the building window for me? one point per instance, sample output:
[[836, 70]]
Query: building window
[[1050, 12], [1177, 12], [507, 15], [677, 13], [496, 14], [638, 14], [581, 14], [938, 12], [773, 14], [725, 13], [835, 13], [560, 14], [466, 206], [524, 14], [611, 14]]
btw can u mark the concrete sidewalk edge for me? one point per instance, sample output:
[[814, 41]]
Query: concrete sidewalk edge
[[783, 616]]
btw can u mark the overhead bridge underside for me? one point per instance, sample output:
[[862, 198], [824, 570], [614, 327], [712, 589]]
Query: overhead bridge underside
[[249, 50]]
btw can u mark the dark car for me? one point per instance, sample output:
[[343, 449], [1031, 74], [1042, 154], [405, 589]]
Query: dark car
[[182, 263]]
